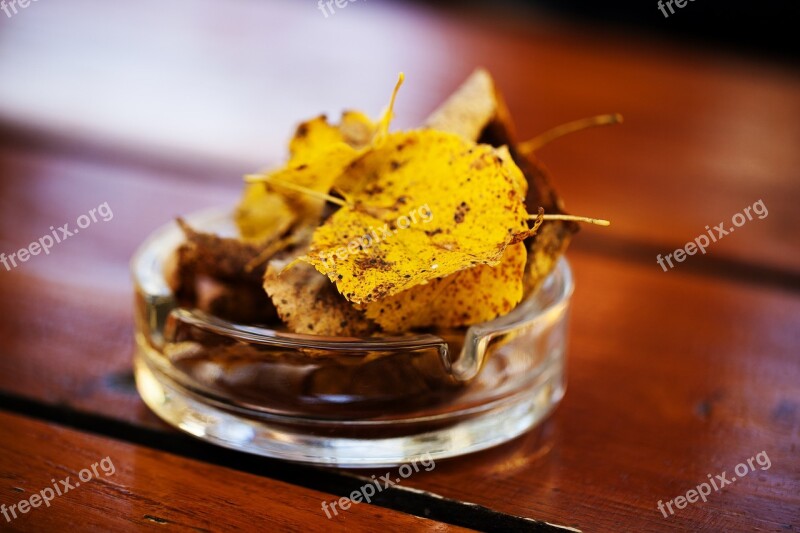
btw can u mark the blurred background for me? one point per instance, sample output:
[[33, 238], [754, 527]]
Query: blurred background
[[766, 30]]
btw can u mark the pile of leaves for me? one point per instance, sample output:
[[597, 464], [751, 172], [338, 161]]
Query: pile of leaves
[[308, 253]]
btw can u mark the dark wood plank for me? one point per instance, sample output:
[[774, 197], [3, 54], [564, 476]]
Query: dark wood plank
[[136, 488], [705, 135]]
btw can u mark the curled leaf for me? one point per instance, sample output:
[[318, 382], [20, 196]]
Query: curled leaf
[[210, 272], [476, 111]]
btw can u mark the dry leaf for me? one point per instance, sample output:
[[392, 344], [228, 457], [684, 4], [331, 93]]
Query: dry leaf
[[355, 129], [307, 302], [553, 237], [476, 111], [472, 191], [319, 154], [468, 297], [210, 273], [224, 258], [261, 214]]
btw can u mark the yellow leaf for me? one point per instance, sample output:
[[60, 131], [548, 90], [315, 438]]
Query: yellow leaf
[[472, 191], [318, 175], [261, 215], [313, 137], [319, 153], [467, 297], [477, 111]]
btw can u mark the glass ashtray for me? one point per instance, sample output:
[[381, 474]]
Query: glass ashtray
[[338, 401]]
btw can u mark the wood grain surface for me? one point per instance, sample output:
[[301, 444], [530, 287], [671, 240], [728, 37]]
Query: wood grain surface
[[129, 487], [672, 375]]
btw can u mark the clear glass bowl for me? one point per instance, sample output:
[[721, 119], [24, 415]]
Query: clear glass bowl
[[343, 401]]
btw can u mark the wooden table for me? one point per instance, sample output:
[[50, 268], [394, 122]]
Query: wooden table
[[159, 108]]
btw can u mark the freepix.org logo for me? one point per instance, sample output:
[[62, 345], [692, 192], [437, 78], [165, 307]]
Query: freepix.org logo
[[328, 5], [56, 236], [59, 488], [12, 7]]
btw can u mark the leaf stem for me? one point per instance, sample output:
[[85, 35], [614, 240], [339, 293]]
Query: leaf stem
[[382, 129], [565, 129], [573, 218], [266, 178]]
